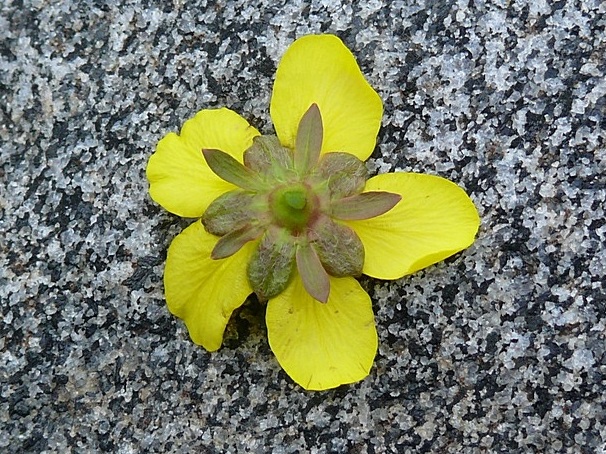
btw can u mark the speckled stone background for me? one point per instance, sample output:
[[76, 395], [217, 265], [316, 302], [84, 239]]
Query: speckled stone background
[[499, 349]]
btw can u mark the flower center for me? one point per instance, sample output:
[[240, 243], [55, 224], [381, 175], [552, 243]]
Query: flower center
[[292, 206], [293, 202]]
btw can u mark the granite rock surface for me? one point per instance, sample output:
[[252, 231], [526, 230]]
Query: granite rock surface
[[499, 349]]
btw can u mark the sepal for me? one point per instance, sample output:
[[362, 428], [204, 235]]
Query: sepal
[[308, 143], [229, 212], [234, 241], [313, 275], [270, 268], [229, 169], [364, 206], [338, 247], [346, 174], [270, 159]]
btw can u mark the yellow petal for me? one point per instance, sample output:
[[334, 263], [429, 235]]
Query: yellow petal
[[201, 291], [322, 346], [434, 220], [320, 69], [180, 180]]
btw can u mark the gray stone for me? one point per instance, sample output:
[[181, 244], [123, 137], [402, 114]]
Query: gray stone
[[499, 349]]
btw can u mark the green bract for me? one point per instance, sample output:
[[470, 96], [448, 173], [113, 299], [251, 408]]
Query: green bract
[[292, 200]]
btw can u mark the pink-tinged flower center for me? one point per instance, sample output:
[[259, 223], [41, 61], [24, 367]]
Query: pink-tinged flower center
[[291, 201], [293, 207]]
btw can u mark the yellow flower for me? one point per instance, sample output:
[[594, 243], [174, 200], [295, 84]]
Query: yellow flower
[[319, 345]]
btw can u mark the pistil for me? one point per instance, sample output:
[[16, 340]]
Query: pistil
[[293, 207]]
